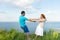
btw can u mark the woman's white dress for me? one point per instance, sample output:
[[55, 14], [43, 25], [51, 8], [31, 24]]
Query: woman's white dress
[[39, 29]]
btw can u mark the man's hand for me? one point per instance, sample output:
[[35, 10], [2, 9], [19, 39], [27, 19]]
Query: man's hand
[[31, 20]]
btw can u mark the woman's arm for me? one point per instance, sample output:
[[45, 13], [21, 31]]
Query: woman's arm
[[41, 20], [35, 19], [31, 20]]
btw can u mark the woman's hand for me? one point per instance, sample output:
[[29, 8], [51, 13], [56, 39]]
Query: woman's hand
[[33, 21]]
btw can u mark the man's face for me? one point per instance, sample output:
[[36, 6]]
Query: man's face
[[23, 14]]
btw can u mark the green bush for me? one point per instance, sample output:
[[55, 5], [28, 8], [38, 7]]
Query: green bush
[[16, 35]]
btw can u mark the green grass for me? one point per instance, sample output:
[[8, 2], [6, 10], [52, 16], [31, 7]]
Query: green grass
[[16, 35]]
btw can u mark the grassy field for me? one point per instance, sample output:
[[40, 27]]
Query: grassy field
[[15, 35]]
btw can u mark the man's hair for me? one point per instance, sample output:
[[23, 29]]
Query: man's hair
[[22, 12]]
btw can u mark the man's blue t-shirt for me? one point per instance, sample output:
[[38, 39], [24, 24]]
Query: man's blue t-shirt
[[22, 20]]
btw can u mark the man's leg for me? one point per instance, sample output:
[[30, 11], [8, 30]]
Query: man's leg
[[26, 30], [27, 33], [28, 36]]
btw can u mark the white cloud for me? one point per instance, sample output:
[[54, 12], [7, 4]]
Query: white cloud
[[51, 11], [19, 2], [52, 15], [23, 2], [32, 12], [31, 8], [8, 17]]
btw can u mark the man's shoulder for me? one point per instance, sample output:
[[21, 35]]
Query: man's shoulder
[[22, 17]]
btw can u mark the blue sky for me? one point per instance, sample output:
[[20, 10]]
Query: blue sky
[[10, 9]]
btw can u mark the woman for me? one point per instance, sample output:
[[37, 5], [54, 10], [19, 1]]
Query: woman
[[39, 29]]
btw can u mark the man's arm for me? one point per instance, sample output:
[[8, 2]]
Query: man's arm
[[35, 19], [31, 20], [40, 20]]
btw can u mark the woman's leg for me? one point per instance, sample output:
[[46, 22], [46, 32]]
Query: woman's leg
[[35, 37]]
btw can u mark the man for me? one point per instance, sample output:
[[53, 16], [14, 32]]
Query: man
[[23, 25]]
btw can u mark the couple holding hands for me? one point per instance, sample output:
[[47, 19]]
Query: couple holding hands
[[39, 28]]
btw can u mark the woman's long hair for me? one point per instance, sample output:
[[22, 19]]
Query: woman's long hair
[[43, 16]]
